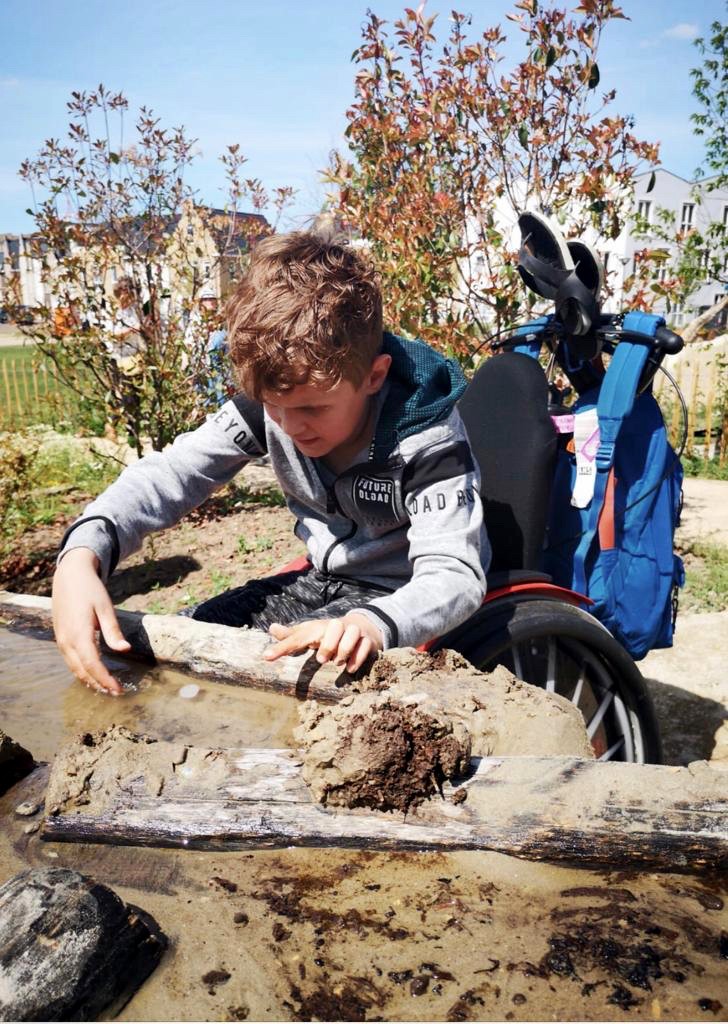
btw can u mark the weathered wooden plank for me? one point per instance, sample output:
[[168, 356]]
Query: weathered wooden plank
[[616, 815], [70, 948], [204, 649]]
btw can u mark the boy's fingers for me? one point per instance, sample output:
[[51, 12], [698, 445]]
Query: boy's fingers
[[278, 631], [348, 643], [110, 629], [360, 655], [329, 643], [89, 668], [295, 639]]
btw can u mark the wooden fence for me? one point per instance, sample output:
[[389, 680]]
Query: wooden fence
[[704, 391]]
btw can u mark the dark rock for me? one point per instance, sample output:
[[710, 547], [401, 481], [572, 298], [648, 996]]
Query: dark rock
[[15, 762], [71, 948]]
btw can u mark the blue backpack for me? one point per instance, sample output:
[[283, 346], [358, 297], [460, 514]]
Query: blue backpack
[[618, 550]]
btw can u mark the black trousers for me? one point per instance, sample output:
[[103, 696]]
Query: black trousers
[[286, 598]]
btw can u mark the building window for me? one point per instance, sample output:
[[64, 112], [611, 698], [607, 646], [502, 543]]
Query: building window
[[687, 216], [644, 206], [725, 216]]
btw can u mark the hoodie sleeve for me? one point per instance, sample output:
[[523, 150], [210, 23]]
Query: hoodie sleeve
[[448, 549], [158, 490]]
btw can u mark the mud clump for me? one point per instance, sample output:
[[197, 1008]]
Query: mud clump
[[99, 770], [390, 756], [416, 720]]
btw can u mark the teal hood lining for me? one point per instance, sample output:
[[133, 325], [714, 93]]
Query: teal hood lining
[[423, 388]]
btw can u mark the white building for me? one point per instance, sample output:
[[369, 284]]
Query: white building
[[668, 192], [20, 273]]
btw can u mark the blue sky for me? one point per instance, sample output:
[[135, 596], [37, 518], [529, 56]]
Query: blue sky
[[276, 77]]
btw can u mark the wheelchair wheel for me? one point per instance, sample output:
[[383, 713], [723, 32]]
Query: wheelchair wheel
[[564, 650]]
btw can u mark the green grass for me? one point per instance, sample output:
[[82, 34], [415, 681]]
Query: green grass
[[710, 469], [53, 475], [706, 577], [220, 582]]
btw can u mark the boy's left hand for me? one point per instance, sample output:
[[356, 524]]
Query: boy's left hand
[[348, 641]]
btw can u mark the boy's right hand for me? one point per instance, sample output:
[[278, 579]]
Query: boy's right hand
[[81, 605]]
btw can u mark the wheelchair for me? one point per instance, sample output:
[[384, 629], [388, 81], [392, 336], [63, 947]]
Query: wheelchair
[[542, 632]]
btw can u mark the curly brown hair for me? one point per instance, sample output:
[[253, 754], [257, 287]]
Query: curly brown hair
[[308, 311]]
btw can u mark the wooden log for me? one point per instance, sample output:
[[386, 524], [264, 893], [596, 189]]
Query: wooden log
[[15, 762], [70, 948], [614, 815], [202, 648]]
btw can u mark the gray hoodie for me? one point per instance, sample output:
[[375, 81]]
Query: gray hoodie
[[407, 516]]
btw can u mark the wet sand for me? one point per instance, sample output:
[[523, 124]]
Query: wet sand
[[329, 935]]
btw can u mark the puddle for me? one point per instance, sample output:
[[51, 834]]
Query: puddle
[[301, 934]]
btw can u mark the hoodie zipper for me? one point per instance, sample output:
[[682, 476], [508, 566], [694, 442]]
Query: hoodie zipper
[[332, 507], [339, 540]]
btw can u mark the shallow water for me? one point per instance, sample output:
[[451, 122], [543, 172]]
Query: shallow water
[[42, 705], [334, 934]]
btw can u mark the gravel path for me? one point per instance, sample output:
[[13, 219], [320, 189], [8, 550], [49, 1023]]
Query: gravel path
[[689, 681]]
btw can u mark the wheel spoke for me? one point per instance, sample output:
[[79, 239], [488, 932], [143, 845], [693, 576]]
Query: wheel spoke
[[576, 696], [608, 754], [595, 722]]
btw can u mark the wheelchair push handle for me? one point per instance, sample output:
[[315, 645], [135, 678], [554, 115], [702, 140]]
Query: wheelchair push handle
[[663, 343], [669, 342]]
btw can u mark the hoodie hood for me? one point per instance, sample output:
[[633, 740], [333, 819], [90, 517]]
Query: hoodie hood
[[423, 388]]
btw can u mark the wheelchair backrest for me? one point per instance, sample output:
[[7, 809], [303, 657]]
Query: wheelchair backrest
[[505, 411]]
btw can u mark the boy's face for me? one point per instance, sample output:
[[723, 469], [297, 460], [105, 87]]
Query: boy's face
[[321, 420]]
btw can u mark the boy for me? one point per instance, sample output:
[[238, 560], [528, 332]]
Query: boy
[[368, 448]]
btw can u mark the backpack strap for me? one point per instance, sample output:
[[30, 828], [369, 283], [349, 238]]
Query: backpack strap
[[616, 399], [531, 333]]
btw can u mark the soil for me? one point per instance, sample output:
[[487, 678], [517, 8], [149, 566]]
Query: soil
[[300, 934], [374, 751], [243, 532]]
